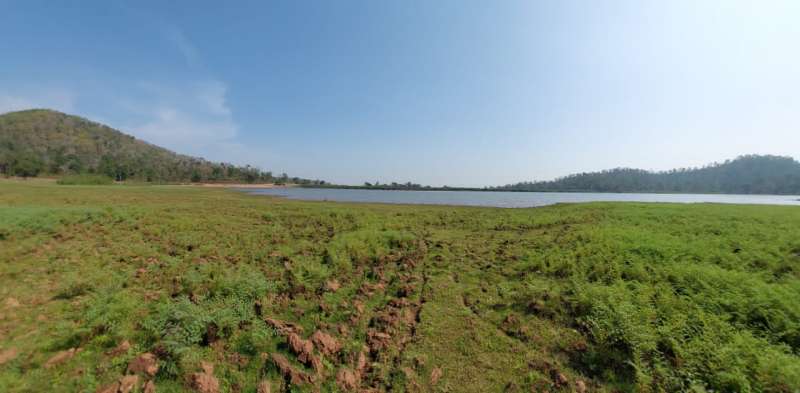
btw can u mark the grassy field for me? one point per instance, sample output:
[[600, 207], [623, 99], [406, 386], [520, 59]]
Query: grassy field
[[213, 290]]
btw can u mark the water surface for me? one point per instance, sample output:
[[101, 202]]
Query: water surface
[[509, 199]]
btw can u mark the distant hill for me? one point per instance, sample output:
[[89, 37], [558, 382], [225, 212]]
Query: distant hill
[[750, 174], [41, 141]]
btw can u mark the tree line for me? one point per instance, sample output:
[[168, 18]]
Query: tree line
[[749, 174]]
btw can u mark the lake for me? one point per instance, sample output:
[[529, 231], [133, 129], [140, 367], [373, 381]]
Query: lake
[[508, 199]]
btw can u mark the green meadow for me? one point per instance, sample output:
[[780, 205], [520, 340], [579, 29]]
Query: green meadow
[[190, 288]]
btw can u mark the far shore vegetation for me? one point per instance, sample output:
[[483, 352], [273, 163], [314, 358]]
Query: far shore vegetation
[[750, 174]]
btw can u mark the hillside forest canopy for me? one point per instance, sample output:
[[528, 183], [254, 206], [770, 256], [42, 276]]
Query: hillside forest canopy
[[749, 174], [44, 142]]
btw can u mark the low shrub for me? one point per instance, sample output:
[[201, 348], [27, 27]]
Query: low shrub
[[85, 180]]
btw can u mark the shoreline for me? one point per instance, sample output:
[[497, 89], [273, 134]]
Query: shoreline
[[241, 185], [532, 191]]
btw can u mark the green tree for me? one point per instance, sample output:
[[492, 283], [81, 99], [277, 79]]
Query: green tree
[[27, 165]]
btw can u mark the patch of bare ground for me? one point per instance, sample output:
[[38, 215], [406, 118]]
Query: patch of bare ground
[[61, 357], [321, 358], [8, 355], [205, 381], [393, 327]]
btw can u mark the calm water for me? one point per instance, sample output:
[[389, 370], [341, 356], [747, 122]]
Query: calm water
[[509, 199]]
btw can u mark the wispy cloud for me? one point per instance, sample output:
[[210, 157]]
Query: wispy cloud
[[212, 94], [61, 100], [184, 46], [174, 127], [188, 117], [193, 119]]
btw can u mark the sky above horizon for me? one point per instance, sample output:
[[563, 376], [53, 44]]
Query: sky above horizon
[[462, 93]]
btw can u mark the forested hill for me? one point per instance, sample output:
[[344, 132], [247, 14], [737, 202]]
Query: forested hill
[[751, 174], [45, 142]]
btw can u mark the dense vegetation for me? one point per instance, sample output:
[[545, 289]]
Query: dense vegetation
[[750, 174], [36, 142], [165, 282], [85, 180]]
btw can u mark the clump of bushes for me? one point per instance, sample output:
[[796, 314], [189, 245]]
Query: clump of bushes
[[85, 180], [653, 339], [215, 303]]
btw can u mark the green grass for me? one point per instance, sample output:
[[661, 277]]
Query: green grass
[[619, 296]]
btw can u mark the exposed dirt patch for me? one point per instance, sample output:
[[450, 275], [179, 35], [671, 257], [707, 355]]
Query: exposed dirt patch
[[11, 303], [205, 381], [120, 349], [283, 327], [378, 341], [8, 355], [333, 285], [559, 379], [304, 349], [264, 387], [128, 383], [436, 374], [61, 357], [289, 372], [145, 364], [326, 344], [347, 380], [110, 388]]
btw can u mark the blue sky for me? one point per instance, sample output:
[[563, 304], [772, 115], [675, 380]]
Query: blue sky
[[436, 92]]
